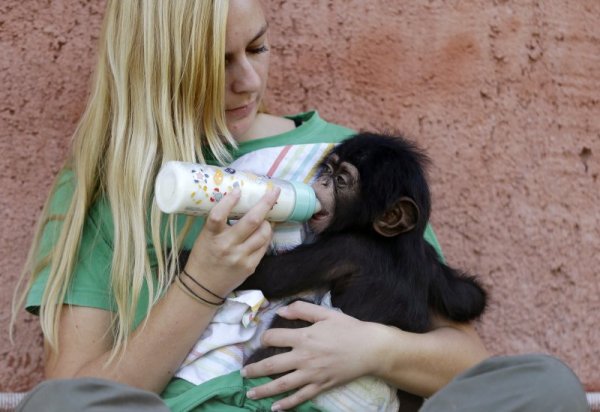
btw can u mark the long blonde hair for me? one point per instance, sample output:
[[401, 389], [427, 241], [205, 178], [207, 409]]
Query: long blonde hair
[[157, 95]]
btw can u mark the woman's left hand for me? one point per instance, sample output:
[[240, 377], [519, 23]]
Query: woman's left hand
[[336, 349]]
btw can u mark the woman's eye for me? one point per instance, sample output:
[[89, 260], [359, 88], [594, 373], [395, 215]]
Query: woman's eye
[[259, 50]]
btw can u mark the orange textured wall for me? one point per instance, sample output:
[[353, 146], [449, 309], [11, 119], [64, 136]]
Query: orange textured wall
[[503, 94]]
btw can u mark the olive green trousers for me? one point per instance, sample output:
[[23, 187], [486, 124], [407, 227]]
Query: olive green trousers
[[523, 383]]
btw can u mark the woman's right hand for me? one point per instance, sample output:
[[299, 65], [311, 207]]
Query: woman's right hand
[[223, 256], [221, 259]]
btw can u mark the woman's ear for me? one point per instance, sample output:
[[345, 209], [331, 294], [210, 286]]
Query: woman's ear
[[401, 217]]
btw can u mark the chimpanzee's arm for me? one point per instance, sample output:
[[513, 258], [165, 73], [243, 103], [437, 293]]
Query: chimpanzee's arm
[[308, 266]]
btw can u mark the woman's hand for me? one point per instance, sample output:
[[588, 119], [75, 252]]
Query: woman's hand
[[339, 348], [223, 256], [329, 353]]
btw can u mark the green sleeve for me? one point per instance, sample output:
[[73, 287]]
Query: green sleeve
[[432, 239], [90, 284]]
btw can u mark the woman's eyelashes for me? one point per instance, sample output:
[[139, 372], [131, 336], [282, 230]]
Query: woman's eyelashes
[[258, 50], [229, 58]]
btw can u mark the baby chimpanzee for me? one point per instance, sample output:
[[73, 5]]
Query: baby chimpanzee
[[370, 251]]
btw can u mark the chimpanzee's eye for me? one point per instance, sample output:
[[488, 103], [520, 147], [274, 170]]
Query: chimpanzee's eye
[[340, 181], [326, 170]]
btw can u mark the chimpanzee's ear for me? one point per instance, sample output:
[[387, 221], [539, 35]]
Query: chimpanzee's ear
[[401, 217]]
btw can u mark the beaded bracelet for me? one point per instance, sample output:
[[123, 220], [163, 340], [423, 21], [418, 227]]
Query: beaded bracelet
[[202, 287], [188, 291]]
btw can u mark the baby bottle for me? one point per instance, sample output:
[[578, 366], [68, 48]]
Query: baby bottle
[[193, 189]]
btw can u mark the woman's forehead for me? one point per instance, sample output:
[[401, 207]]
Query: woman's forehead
[[245, 21]]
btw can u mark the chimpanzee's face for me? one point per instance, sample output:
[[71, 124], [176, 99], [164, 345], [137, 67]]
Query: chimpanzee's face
[[336, 187]]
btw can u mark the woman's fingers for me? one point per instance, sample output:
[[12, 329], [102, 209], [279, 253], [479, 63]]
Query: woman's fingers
[[258, 244], [334, 350], [216, 221], [224, 256], [252, 220], [282, 338], [301, 395], [273, 365], [306, 311], [260, 239], [286, 383]]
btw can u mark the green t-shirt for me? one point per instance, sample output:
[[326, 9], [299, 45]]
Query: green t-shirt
[[90, 285]]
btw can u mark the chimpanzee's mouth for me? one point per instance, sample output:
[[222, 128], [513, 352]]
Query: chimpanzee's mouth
[[320, 215]]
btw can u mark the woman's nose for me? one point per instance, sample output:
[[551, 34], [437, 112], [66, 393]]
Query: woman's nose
[[246, 78]]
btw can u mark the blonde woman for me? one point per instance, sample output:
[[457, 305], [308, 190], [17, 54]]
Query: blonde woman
[[184, 80]]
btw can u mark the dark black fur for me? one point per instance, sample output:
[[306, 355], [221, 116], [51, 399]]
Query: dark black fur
[[397, 281]]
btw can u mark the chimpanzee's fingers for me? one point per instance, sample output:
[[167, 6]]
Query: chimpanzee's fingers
[[216, 221]]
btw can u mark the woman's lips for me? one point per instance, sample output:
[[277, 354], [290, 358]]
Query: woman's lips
[[241, 111]]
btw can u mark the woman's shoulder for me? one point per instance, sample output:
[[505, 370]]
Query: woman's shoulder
[[309, 128], [301, 124], [313, 129], [272, 125], [61, 192]]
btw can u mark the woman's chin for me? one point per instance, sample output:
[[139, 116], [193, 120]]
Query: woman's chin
[[241, 129]]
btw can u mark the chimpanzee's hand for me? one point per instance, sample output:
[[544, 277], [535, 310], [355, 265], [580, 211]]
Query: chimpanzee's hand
[[223, 256], [336, 349]]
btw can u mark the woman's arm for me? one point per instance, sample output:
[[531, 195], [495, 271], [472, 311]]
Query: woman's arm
[[221, 258], [424, 363], [152, 355], [339, 348]]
